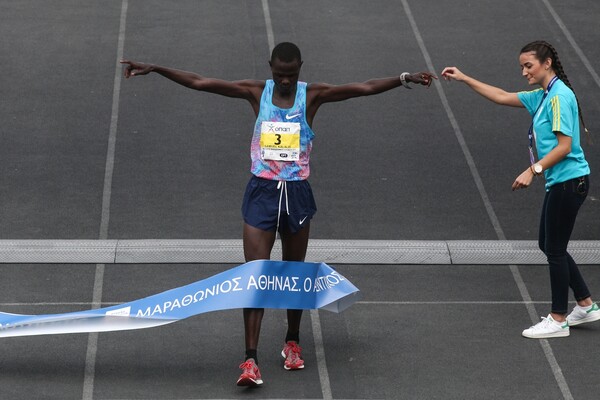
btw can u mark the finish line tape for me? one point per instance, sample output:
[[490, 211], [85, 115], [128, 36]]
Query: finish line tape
[[256, 284]]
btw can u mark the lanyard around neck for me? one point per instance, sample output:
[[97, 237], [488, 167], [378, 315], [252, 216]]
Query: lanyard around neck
[[550, 84]]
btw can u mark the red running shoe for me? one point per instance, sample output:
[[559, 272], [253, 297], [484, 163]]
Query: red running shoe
[[250, 375], [293, 357]]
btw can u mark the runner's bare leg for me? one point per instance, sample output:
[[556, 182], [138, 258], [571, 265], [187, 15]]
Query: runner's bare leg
[[257, 246], [294, 247]]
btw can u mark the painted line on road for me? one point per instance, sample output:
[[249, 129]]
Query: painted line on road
[[574, 45], [92, 346]]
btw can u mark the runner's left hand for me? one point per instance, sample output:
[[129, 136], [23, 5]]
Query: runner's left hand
[[421, 78]]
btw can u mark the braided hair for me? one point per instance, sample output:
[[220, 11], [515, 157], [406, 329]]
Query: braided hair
[[544, 50]]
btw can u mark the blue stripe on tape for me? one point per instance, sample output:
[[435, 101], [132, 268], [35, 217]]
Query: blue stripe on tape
[[256, 284]]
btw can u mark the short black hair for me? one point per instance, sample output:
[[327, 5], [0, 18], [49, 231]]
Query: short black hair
[[286, 52]]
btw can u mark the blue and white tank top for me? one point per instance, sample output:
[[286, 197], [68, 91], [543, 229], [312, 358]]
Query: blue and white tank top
[[282, 139]]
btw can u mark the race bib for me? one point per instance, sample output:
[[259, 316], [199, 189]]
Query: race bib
[[280, 141]]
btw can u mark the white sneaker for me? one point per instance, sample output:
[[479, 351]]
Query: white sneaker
[[581, 315], [547, 328]]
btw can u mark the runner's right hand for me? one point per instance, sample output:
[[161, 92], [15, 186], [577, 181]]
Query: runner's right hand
[[136, 68]]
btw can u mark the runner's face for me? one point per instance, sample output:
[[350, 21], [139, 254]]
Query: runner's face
[[285, 74], [532, 69]]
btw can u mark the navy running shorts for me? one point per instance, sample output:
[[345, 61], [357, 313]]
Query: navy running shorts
[[265, 199]]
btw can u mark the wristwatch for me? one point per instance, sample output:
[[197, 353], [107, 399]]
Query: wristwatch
[[537, 169], [403, 79]]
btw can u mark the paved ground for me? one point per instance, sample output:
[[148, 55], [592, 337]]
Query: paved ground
[[426, 164]]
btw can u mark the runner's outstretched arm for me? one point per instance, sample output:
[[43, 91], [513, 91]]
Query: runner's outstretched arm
[[243, 89], [320, 93], [326, 93]]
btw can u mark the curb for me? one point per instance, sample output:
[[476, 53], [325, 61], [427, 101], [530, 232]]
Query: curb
[[217, 251]]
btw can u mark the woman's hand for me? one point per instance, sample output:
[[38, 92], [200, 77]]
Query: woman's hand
[[524, 180], [450, 73]]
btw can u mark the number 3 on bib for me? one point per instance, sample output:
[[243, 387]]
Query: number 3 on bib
[[280, 141]]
